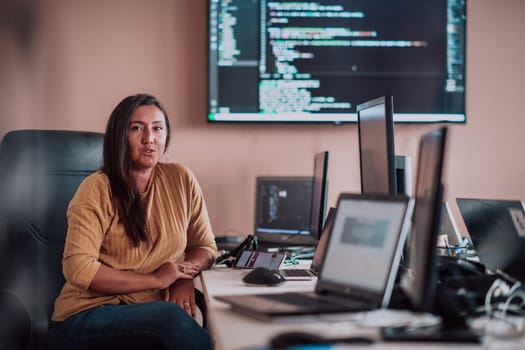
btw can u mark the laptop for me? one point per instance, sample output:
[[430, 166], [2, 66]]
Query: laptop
[[317, 260], [497, 231], [360, 262]]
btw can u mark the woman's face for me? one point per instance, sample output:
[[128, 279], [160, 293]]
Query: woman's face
[[146, 137]]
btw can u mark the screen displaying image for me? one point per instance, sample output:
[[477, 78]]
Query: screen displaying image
[[283, 205], [371, 231], [306, 61], [365, 232], [249, 259]]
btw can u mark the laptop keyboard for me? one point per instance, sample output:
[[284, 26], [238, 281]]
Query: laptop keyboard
[[296, 273], [300, 299]]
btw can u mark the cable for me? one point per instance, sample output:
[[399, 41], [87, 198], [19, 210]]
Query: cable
[[290, 261], [293, 258], [498, 311], [498, 283], [513, 293], [305, 255]]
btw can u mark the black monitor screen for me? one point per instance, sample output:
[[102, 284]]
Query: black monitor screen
[[319, 193], [314, 61], [421, 286], [376, 146], [282, 209]]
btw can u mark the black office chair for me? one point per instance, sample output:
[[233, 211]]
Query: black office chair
[[40, 172]]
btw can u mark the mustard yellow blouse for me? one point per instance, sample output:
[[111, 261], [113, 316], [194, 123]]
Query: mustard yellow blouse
[[177, 219]]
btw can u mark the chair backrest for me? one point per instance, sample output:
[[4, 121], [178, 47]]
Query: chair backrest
[[40, 172]]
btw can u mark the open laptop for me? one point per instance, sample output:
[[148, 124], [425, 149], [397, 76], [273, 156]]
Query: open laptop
[[317, 260], [359, 266], [497, 231]]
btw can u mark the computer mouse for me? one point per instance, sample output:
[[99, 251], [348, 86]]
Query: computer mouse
[[263, 276], [289, 339]]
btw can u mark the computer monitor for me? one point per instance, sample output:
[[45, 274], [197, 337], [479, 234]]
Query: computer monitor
[[314, 61], [420, 281], [375, 127], [319, 194], [282, 210]]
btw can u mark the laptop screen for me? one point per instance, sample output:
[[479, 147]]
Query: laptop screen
[[365, 243], [497, 230]]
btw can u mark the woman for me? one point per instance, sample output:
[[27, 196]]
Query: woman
[[138, 232]]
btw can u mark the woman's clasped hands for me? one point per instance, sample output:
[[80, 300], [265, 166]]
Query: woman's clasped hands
[[169, 272]]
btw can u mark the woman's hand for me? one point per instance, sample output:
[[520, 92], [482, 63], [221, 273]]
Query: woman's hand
[[170, 272], [182, 292]]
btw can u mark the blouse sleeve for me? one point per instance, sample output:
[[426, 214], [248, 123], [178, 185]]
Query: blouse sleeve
[[200, 234], [88, 217]]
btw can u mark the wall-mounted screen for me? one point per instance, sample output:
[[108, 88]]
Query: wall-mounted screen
[[315, 61]]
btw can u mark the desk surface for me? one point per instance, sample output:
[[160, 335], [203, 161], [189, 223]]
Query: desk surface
[[234, 331]]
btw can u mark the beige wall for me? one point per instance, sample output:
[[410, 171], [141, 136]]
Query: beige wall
[[77, 59]]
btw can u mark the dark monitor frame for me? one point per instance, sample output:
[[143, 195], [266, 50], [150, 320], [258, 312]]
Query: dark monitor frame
[[319, 194], [300, 238], [376, 145], [422, 259]]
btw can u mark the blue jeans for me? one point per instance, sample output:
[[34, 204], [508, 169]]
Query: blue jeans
[[155, 325]]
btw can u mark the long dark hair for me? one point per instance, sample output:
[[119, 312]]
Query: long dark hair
[[117, 165]]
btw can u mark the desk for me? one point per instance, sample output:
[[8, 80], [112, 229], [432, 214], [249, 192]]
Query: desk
[[233, 331]]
